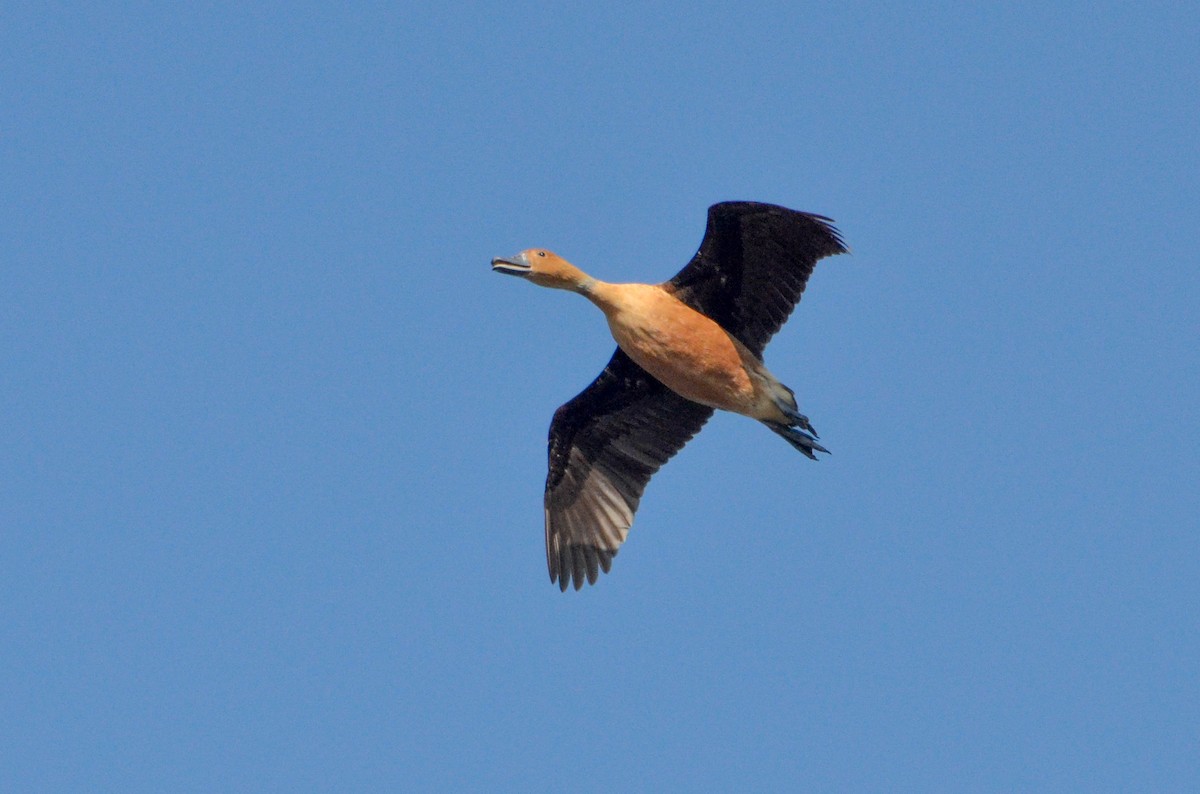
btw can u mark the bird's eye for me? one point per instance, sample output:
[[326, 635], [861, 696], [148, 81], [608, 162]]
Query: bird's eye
[[541, 253]]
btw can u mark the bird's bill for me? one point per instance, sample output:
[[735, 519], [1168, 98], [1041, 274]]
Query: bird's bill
[[514, 266]]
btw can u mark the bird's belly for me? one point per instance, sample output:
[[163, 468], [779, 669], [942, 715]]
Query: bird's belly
[[695, 358]]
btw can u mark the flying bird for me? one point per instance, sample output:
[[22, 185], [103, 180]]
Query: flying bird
[[684, 348]]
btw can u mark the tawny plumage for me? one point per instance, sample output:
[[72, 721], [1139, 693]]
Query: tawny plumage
[[684, 348]]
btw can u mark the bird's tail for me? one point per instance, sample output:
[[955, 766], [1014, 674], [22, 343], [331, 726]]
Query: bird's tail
[[805, 442]]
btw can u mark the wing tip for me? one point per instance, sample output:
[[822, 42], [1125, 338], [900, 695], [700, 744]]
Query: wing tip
[[577, 565], [834, 235]]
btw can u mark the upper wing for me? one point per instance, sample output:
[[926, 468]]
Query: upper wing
[[752, 267], [605, 444]]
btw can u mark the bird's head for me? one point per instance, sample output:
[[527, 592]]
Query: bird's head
[[542, 267]]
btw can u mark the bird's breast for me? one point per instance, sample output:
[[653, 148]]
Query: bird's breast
[[684, 349]]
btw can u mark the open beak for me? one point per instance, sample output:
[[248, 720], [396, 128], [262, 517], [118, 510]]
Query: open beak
[[514, 266]]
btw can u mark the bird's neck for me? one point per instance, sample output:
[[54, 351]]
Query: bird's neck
[[601, 293]]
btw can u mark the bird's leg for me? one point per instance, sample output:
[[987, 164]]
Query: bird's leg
[[785, 400], [801, 421], [799, 439]]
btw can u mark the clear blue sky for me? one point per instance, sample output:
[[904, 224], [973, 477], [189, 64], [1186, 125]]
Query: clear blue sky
[[273, 437]]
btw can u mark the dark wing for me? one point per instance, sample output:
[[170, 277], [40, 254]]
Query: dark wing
[[752, 267], [605, 444]]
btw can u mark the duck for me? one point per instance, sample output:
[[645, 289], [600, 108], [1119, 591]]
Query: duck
[[686, 348]]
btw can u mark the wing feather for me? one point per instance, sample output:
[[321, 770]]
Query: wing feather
[[752, 267], [605, 445]]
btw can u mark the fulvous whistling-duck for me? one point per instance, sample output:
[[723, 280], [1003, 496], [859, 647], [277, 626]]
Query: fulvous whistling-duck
[[684, 348]]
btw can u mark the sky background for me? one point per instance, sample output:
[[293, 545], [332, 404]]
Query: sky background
[[272, 445]]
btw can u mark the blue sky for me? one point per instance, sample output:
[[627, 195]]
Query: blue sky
[[273, 447]]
